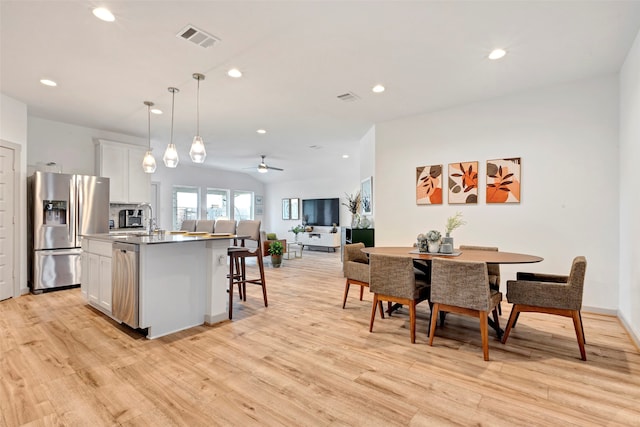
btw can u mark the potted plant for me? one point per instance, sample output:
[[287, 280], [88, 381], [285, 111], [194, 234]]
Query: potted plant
[[353, 204], [433, 241], [453, 222], [296, 230], [275, 250]]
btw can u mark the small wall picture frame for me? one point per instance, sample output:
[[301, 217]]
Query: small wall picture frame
[[286, 209], [294, 205], [366, 196]]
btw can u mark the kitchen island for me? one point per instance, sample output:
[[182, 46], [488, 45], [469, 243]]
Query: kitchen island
[[182, 279]]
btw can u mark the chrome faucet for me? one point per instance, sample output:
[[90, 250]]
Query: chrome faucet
[[147, 205]]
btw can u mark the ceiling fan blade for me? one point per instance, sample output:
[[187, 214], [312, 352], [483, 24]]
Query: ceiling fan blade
[[275, 169]]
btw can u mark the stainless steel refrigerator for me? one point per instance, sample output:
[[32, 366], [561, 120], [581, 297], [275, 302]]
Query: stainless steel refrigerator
[[62, 208]]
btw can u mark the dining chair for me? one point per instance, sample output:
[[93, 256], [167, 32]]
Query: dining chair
[[392, 279], [463, 287], [492, 269], [551, 294], [249, 232], [205, 225], [225, 226], [188, 225], [355, 265]]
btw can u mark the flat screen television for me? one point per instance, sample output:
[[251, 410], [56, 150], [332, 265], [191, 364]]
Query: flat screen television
[[324, 212]]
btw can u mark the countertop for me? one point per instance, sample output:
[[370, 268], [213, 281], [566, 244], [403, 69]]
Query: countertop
[[139, 238]]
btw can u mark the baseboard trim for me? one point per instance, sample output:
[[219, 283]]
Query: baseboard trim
[[627, 326], [600, 310]]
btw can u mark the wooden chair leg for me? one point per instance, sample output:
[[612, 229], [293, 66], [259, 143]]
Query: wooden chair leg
[[496, 320], [361, 292], [263, 281], [434, 316], [346, 292], [430, 318], [374, 306], [381, 310], [412, 321], [231, 289], [484, 333], [243, 266], [515, 311], [577, 324], [584, 339]]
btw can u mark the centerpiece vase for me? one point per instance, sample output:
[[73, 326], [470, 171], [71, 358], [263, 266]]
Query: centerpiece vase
[[355, 221], [433, 247], [447, 239]]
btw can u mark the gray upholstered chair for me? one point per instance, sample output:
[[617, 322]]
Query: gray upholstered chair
[[492, 269], [237, 266], [188, 225], [225, 226], [355, 265], [463, 287], [392, 279], [552, 294], [205, 225]]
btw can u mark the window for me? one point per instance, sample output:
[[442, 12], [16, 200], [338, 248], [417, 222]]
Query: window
[[185, 204], [217, 203], [242, 205]]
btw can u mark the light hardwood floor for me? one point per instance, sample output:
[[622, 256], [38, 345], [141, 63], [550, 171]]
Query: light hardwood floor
[[304, 361]]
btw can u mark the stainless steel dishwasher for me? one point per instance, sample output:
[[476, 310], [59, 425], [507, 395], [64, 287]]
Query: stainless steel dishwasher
[[125, 283]]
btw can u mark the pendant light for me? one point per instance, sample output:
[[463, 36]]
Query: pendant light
[[149, 162], [170, 157], [198, 152]]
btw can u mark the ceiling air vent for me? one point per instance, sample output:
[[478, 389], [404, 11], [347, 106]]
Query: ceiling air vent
[[348, 97], [197, 36]]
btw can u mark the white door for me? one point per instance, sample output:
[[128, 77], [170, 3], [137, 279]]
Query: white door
[[7, 226]]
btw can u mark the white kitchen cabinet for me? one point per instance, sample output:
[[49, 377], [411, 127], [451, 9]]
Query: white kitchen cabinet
[[122, 164], [96, 274]]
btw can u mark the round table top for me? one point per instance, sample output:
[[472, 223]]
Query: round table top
[[490, 257]]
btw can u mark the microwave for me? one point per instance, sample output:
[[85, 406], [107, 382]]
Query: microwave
[[129, 219]]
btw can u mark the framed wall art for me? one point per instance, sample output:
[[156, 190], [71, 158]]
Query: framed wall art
[[503, 180], [366, 196], [463, 183], [429, 185], [286, 209], [295, 208]]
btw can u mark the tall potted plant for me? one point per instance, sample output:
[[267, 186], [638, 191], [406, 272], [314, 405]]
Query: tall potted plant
[[275, 250], [353, 204]]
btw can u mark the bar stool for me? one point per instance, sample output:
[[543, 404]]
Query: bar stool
[[228, 226], [237, 266]]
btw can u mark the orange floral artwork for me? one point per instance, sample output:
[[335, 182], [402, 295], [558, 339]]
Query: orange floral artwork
[[503, 180], [463, 183], [429, 185]]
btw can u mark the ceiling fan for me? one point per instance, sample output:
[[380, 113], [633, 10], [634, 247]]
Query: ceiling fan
[[263, 168]]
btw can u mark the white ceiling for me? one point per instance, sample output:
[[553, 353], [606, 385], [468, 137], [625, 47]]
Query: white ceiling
[[297, 57]]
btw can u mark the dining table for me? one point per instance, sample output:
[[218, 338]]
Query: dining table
[[489, 257]]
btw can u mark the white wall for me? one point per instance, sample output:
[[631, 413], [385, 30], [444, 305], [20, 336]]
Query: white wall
[[195, 176], [567, 137], [70, 146], [332, 186], [629, 194], [13, 129]]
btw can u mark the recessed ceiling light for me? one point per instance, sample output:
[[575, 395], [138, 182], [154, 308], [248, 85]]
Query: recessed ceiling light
[[497, 53], [345, 156], [261, 131], [103, 14], [156, 111], [48, 82], [378, 89], [235, 73]]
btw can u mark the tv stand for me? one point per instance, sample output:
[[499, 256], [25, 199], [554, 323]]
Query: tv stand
[[320, 239]]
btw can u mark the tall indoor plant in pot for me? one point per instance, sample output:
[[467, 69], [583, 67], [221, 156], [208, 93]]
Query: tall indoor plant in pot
[[353, 204], [275, 250]]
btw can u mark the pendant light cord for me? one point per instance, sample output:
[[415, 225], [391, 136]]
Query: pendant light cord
[[198, 109], [173, 100], [149, 124]]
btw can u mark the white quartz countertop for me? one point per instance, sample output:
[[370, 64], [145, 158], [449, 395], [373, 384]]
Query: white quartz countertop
[[156, 238]]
